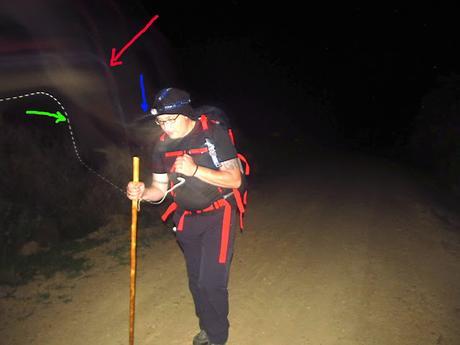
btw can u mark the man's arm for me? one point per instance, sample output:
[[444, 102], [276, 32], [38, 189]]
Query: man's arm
[[228, 175], [157, 189]]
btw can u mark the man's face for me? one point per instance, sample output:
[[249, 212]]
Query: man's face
[[174, 125]]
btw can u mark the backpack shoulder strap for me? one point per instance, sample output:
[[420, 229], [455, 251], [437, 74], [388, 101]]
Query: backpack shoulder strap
[[204, 122]]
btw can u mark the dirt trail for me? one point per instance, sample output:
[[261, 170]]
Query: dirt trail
[[345, 251]]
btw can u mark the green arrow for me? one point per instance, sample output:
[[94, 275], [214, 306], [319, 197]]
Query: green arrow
[[59, 117]]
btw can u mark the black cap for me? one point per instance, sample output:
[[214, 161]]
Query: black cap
[[172, 101]]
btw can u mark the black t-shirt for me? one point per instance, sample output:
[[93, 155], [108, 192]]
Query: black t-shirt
[[194, 194]]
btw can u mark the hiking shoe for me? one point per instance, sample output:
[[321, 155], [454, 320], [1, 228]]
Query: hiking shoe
[[201, 338]]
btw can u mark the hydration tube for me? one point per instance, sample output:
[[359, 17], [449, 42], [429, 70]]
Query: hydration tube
[[180, 183]]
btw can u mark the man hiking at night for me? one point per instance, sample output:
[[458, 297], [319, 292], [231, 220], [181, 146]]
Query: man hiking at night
[[199, 154]]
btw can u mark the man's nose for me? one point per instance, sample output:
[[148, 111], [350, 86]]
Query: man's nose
[[168, 124]]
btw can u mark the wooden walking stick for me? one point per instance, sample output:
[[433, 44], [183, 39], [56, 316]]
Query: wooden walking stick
[[132, 285]]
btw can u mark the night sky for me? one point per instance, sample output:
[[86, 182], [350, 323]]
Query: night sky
[[380, 79], [371, 65]]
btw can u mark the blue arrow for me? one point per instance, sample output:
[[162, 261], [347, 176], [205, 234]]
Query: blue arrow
[[144, 104]]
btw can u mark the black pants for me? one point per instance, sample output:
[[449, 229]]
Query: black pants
[[208, 279]]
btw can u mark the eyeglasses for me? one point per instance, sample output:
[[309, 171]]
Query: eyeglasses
[[163, 122]]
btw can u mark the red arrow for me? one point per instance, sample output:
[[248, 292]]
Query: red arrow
[[115, 56]]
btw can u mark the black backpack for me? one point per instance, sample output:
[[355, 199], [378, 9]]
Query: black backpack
[[207, 114]]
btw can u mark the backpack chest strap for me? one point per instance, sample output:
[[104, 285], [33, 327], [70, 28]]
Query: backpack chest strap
[[191, 152]]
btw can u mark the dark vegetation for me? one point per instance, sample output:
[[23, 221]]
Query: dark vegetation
[[49, 198], [434, 144]]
